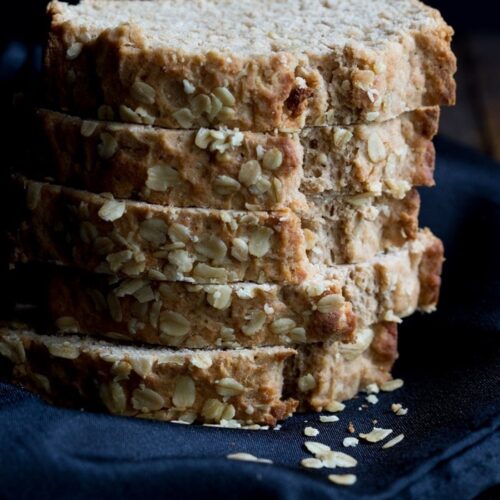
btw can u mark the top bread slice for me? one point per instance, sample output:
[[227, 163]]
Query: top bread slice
[[248, 64]]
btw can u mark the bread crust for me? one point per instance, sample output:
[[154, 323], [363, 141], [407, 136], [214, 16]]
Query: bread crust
[[318, 162], [351, 83], [430, 275], [385, 289], [67, 226]]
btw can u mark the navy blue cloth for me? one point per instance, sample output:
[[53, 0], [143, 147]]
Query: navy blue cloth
[[449, 360]]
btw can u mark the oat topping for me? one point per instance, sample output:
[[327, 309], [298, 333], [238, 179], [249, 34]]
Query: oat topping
[[145, 400], [394, 441], [342, 479], [143, 92], [107, 147], [392, 385], [184, 392], [189, 88], [226, 185], [328, 418], [327, 457], [272, 159], [73, 51], [162, 177], [87, 128], [184, 117], [311, 463], [350, 442], [375, 435], [247, 457], [112, 210], [335, 406], [311, 432], [398, 409], [249, 173], [306, 383], [229, 387], [330, 303], [316, 448], [225, 96]]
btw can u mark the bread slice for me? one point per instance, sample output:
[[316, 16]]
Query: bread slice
[[183, 168], [162, 384], [97, 233], [227, 387], [248, 64], [324, 308]]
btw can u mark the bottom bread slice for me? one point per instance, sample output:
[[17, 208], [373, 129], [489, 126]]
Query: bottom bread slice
[[162, 384], [260, 385]]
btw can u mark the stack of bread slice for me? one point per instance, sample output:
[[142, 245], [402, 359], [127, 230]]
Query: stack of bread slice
[[229, 215]]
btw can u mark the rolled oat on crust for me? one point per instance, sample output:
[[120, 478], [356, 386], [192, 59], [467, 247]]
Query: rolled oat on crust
[[248, 64]]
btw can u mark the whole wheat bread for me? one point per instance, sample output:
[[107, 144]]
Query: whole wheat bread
[[324, 308]]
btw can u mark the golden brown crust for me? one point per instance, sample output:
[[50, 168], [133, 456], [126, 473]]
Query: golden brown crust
[[322, 161], [384, 347], [333, 88], [430, 275], [439, 65]]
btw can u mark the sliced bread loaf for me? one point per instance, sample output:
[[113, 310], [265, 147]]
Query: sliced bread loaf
[[98, 233], [227, 169], [248, 64], [324, 308]]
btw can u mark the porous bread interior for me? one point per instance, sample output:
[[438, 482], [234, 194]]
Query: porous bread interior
[[257, 27]]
